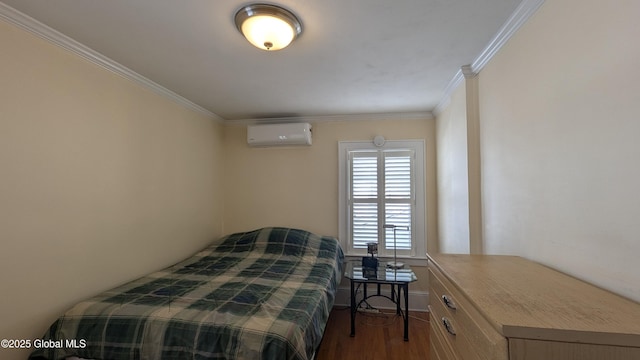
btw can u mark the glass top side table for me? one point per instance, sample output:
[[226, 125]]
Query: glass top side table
[[397, 279]]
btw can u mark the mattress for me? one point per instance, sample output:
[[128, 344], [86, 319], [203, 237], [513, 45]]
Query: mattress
[[263, 294]]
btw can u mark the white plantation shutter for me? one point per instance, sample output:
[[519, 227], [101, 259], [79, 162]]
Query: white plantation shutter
[[365, 224], [399, 197], [364, 195], [364, 167], [381, 193], [382, 185], [399, 215], [397, 174]]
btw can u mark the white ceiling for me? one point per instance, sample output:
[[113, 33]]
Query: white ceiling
[[353, 57]]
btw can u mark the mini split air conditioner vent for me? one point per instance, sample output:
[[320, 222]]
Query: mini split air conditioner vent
[[279, 134]]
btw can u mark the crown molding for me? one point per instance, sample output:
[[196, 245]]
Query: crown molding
[[448, 91], [43, 31], [519, 17], [418, 115], [467, 72], [515, 21]]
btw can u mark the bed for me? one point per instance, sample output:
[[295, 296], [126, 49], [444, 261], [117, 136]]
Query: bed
[[263, 294]]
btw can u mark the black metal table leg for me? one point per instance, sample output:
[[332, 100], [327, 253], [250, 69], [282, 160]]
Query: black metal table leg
[[406, 311], [398, 308]]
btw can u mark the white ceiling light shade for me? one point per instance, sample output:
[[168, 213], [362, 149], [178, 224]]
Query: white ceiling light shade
[[268, 27]]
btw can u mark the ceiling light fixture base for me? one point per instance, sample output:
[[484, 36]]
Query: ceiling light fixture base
[[268, 27]]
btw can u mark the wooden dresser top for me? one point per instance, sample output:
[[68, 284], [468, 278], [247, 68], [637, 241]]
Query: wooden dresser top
[[524, 299]]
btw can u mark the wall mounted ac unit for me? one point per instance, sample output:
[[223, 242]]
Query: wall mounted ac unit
[[279, 134]]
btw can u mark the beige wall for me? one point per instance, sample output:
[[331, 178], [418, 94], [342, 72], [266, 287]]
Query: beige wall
[[298, 186], [101, 181], [453, 182], [559, 147]]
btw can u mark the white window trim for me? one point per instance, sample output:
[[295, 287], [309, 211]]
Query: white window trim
[[419, 229]]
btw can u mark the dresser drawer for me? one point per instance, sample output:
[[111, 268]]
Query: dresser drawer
[[450, 333], [440, 346], [500, 303], [475, 338]]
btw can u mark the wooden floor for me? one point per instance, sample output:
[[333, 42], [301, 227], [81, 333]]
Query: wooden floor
[[378, 336]]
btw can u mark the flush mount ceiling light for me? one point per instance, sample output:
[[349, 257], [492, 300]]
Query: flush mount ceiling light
[[268, 27]]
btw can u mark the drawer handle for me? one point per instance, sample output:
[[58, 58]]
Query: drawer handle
[[447, 325], [450, 304]]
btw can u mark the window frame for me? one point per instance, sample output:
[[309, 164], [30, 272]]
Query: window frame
[[418, 240]]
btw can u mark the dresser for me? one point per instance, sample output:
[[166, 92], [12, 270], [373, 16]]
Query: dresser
[[486, 307]]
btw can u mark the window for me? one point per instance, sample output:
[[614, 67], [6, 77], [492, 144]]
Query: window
[[382, 186]]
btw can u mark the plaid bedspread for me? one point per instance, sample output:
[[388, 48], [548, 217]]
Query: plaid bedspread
[[264, 294]]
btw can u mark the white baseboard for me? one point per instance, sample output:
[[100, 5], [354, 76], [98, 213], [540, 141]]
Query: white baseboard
[[418, 300]]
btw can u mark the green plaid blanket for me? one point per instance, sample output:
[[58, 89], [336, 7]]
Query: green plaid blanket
[[264, 294]]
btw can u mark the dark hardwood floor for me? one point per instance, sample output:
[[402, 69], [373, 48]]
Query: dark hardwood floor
[[378, 336]]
